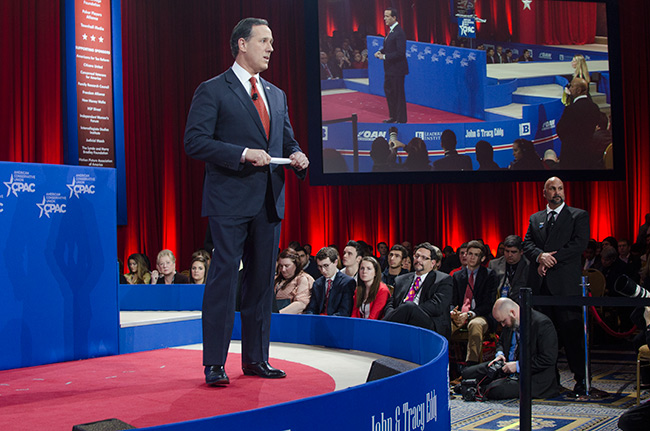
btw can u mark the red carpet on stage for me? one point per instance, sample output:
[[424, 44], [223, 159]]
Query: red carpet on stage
[[142, 389], [373, 109]]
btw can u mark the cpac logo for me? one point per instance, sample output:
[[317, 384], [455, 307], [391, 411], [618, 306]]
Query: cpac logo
[[449, 60], [414, 48], [456, 54], [420, 56], [77, 189], [16, 188], [427, 50], [472, 56], [48, 209], [464, 62], [325, 135], [548, 125], [467, 28], [434, 58], [546, 55], [442, 52], [375, 42]]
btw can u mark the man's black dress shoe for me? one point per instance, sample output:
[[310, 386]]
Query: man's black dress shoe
[[262, 369], [389, 120], [215, 375]]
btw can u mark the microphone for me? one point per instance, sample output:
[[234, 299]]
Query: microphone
[[255, 96]]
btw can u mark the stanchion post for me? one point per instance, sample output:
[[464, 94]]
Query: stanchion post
[[525, 390], [585, 316]]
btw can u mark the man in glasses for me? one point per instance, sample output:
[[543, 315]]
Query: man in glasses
[[422, 298]]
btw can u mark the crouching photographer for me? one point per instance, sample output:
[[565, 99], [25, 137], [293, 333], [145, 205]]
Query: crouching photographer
[[499, 378]]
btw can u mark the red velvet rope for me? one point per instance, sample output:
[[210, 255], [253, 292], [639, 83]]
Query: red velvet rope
[[607, 329]]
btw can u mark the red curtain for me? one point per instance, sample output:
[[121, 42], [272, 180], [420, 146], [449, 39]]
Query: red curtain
[[30, 81], [170, 46]]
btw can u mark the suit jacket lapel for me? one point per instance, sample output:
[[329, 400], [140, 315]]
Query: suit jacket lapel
[[245, 98], [404, 292]]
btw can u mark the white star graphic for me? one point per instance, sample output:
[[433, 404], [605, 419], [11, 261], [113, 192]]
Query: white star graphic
[[71, 187], [84, 36], [92, 37], [8, 184], [527, 4], [101, 39], [41, 206]]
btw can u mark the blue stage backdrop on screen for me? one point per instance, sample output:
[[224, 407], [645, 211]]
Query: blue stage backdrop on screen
[[441, 77], [58, 300]]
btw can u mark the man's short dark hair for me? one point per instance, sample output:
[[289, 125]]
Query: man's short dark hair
[[243, 29], [448, 140], [484, 151], [477, 244], [299, 249], [327, 253], [401, 249], [436, 254], [513, 241], [392, 10], [361, 250]]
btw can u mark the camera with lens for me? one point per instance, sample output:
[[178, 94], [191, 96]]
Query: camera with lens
[[468, 389], [627, 287], [494, 369]]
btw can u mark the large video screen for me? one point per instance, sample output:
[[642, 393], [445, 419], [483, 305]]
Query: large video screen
[[463, 91]]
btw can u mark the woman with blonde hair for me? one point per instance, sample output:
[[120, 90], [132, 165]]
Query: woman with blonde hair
[[166, 270], [579, 65]]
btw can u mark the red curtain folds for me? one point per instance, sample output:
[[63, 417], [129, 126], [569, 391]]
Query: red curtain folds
[[30, 81], [170, 47]]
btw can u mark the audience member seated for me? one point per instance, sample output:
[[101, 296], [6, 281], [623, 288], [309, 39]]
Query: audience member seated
[[525, 156], [422, 298], [489, 56], [511, 269], [359, 62], [292, 285], [383, 158], [632, 263], [601, 139], [199, 269], [462, 257], [509, 58], [332, 293], [202, 252], [352, 254], [138, 270], [550, 159], [473, 296], [612, 268], [372, 294], [407, 263], [543, 356], [526, 56], [450, 260], [382, 254], [307, 265], [418, 156], [166, 270], [609, 242], [325, 71], [396, 256], [589, 257], [499, 56], [452, 161], [485, 157]]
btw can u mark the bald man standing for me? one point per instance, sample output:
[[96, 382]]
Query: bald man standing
[[576, 128]]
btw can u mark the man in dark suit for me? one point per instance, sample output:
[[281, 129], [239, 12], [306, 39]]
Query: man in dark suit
[[332, 293], [576, 128], [307, 265], [452, 161], [473, 296], [554, 243], [236, 122], [395, 67], [511, 269], [421, 298], [543, 355]]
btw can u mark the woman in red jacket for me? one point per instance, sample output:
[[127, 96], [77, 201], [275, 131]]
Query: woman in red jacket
[[371, 294]]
